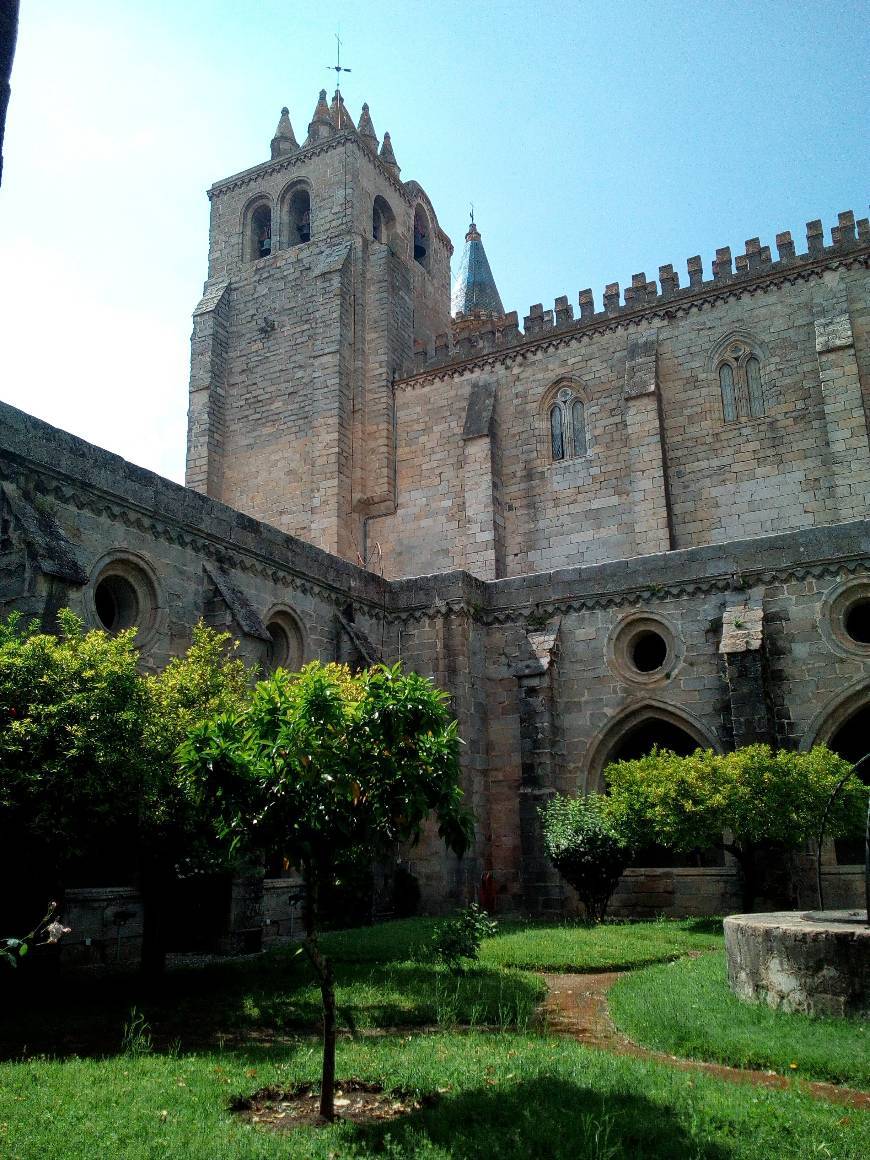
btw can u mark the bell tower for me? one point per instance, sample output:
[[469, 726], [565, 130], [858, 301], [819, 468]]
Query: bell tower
[[324, 266]]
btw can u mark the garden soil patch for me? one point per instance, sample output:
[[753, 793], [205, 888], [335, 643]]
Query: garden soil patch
[[355, 1101], [576, 1005]]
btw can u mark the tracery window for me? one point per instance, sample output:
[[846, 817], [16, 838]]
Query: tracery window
[[567, 426], [740, 383]]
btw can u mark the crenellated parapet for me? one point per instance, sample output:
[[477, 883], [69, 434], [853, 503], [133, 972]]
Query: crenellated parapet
[[730, 275]]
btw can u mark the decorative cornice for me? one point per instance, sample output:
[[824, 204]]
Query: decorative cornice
[[532, 612], [681, 302], [210, 548]]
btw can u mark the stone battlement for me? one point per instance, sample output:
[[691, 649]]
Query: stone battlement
[[464, 344]]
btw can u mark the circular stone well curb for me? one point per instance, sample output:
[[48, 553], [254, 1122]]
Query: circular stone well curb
[[800, 961]]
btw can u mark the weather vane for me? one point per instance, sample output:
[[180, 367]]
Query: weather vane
[[336, 68]]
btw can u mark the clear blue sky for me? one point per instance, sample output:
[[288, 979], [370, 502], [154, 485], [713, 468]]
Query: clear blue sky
[[596, 140]]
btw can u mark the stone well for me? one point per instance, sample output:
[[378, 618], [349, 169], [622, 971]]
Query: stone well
[[818, 962]]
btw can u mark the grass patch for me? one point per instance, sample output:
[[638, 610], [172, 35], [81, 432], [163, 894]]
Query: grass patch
[[611, 947], [686, 1008], [276, 992], [396, 994], [385, 942], [500, 1096]]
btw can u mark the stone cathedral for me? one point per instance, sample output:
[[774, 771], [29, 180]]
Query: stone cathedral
[[600, 526]]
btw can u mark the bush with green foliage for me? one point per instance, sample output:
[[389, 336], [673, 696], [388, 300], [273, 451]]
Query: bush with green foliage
[[177, 838], [766, 799], [72, 708], [457, 939], [326, 767], [89, 783], [589, 847]]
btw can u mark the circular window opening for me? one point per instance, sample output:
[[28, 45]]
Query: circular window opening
[[116, 603], [648, 651], [285, 649], [278, 651], [857, 622]]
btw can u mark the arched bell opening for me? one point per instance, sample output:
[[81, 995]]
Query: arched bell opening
[[383, 220], [261, 232], [299, 217], [422, 238]]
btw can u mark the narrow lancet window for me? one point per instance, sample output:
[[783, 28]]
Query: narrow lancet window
[[729, 400], [753, 387], [578, 428], [557, 442]]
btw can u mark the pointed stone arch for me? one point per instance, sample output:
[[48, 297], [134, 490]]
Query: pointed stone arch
[[835, 713], [620, 728]]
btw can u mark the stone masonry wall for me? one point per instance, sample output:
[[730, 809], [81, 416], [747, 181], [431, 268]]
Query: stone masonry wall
[[294, 354], [663, 468], [538, 667]]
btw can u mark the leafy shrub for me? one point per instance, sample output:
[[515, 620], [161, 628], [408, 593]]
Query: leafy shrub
[[459, 938], [769, 800], [588, 846]]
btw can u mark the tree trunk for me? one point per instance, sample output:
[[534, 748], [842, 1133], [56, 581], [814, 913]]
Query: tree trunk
[[155, 885], [323, 969], [748, 868]]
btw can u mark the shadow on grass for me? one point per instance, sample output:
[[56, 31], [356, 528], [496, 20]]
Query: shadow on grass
[[544, 1117], [277, 993], [705, 925]]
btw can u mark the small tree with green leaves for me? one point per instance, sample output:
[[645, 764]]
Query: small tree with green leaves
[[327, 767], [764, 799], [207, 680], [72, 708], [588, 846]]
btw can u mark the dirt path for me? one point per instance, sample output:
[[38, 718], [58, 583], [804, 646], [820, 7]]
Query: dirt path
[[576, 1005]]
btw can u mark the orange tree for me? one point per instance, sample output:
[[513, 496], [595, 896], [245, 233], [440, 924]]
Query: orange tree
[[72, 708], [329, 767], [764, 799]]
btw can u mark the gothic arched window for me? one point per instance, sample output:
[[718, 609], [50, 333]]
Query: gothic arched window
[[567, 426], [740, 383]]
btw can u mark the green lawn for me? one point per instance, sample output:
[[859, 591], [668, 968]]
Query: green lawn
[[503, 1093], [612, 947], [500, 1096], [686, 1008], [273, 992]]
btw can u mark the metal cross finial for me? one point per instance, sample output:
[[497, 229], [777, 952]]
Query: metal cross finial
[[472, 213], [337, 68]]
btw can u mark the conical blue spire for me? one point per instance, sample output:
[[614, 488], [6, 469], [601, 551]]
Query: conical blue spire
[[475, 288]]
